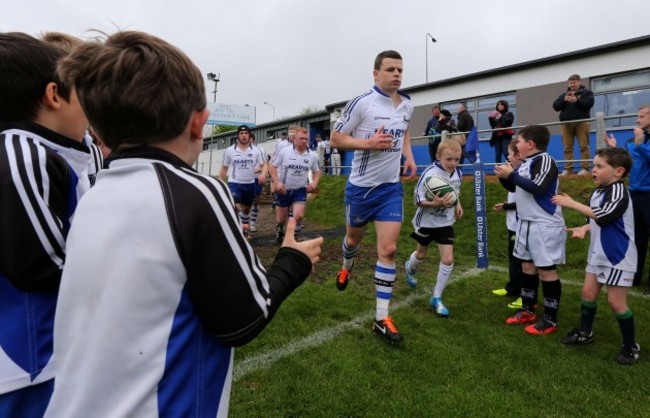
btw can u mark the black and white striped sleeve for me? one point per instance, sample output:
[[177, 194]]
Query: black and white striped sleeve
[[613, 206], [234, 294], [35, 205]]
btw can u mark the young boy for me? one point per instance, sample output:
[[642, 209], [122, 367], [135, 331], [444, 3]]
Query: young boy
[[152, 303], [513, 287], [612, 253], [541, 234], [43, 174], [434, 220]]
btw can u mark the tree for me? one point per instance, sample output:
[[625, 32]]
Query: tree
[[310, 109], [219, 129]]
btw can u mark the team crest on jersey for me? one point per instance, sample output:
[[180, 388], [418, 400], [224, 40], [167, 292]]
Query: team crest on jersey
[[406, 120], [306, 161]]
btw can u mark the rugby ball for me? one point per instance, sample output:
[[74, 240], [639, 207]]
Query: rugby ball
[[435, 185]]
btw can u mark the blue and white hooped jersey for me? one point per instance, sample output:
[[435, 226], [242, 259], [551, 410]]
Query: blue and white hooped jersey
[[612, 232], [242, 164], [361, 118], [429, 217], [293, 168]]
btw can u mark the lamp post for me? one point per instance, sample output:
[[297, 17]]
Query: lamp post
[[426, 39], [273, 107], [214, 77]]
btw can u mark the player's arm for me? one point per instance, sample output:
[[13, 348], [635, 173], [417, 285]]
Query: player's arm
[[273, 171], [409, 161], [614, 206], [544, 174], [264, 170], [223, 172], [315, 175], [567, 201], [379, 141], [233, 293], [34, 223]]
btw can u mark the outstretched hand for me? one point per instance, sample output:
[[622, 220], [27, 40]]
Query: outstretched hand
[[311, 248]]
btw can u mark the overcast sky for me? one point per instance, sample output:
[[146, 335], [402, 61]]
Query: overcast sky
[[299, 53]]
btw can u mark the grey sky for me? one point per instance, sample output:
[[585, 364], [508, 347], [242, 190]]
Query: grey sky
[[299, 53]]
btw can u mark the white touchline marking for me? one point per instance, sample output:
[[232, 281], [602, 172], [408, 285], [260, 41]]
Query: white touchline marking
[[266, 359]]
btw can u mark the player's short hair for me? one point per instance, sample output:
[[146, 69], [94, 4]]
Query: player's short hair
[[645, 106], [135, 88], [66, 42], [27, 66], [386, 54], [575, 77], [301, 129], [616, 157], [539, 134], [449, 144]]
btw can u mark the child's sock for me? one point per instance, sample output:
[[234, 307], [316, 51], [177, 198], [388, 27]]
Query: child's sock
[[626, 324], [444, 272], [529, 285], [587, 315], [552, 294]]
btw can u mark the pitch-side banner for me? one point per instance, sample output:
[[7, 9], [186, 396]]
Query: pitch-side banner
[[231, 114]]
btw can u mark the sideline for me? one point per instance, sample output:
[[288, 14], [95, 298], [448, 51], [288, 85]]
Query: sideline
[[266, 359]]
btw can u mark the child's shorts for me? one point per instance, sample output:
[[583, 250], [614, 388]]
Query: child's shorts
[[543, 244], [610, 276], [425, 236]]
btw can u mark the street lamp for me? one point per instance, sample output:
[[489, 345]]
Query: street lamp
[[273, 107], [426, 40], [214, 77]]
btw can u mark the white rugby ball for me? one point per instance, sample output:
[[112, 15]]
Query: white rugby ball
[[439, 186]]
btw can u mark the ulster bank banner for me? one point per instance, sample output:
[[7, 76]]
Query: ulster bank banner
[[231, 114]]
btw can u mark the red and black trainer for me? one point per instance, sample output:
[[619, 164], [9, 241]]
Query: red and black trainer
[[342, 278], [521, 317], [541, 327], [387, 328]]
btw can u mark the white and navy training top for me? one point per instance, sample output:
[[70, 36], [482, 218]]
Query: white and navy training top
[[159, 286], [42, 177], [612, 232], [293, 168], [430, 217], [360, 118], [242, 163]]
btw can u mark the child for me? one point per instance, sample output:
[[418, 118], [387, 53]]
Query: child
[[434, 220], [513, 287], [612, 253], [541, 234], [152, 303], [43, 174]]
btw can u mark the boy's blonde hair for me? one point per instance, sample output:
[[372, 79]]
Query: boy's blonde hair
[[62, 40], [135, 88], [450, 144]]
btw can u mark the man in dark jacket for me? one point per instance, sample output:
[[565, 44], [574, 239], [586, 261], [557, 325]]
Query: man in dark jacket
[[575, 104], [430, 131], [465, 124]]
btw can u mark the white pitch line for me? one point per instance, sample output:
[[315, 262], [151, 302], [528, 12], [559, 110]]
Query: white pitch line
[[266, 359]]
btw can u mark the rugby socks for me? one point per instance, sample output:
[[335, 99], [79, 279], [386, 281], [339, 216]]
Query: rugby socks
[[414, 262], [626, 324], [348, 255], [529, 285], [244, 218], [552, 293], [444, 271], [254, 211], [587, 315], [384, 280]]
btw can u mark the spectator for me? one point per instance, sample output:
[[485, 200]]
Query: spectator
[[500, 117], [430, 131], [465, 124], [573, 105], [446, 122]]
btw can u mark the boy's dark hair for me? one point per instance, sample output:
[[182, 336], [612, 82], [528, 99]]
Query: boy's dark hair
[[616, 157], [27, 66], [386, 54], [135, 88], [538, 134]]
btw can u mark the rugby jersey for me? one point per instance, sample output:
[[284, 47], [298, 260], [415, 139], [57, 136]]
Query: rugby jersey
[[612, 230], [430, 217], [511, 214], [360, 118], [43, 174], [535, 182], [293, 168], [151, 307], [242, 164], [96, 160]]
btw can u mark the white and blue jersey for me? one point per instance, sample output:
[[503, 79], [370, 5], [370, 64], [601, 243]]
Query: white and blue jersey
[[42, 176], [242, 164], [361, 118], [293, 168], [612, 231], [152, 305], [430, 217]]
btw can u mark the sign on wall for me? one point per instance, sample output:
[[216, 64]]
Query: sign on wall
[[231, 114]]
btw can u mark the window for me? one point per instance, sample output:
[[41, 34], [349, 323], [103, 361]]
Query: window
[[621, 94], [480, 108]]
